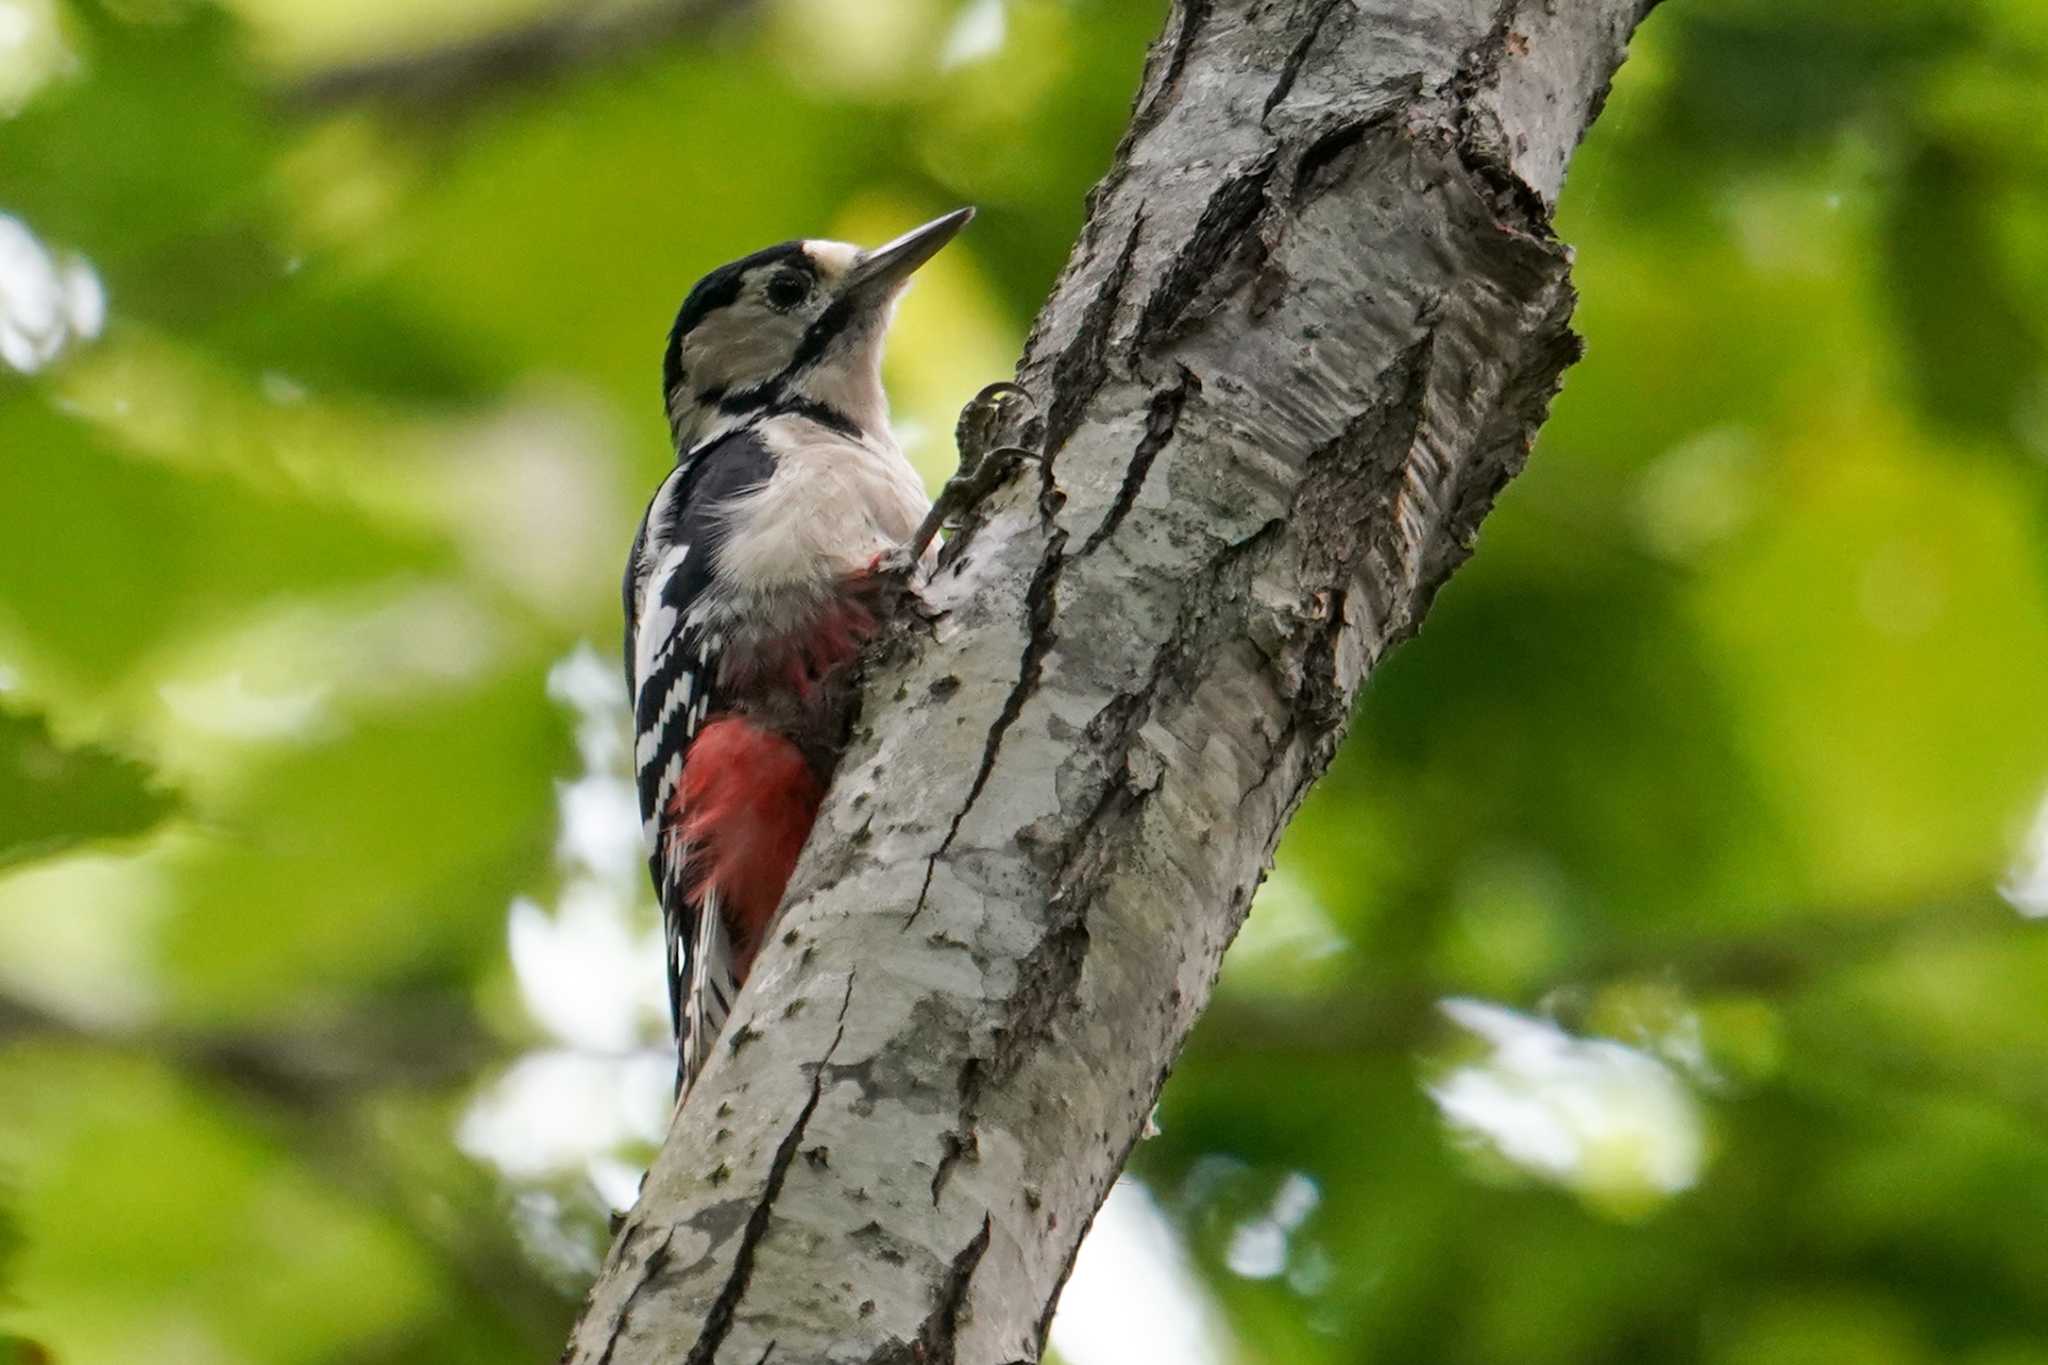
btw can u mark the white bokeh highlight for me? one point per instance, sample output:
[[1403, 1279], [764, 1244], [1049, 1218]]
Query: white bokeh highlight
[[1133, 1295], [1608, 1121], [2025, 886], [49, 299], [35, 52], [588, 971], [1258, 1248], [976, 35]]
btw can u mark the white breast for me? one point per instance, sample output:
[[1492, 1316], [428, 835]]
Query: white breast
[[833, 504]]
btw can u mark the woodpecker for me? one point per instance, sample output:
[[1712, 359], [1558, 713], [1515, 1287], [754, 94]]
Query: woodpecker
[[754, 578]]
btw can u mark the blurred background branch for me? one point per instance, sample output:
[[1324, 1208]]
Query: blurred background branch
[[425, 1043], [517, 56]]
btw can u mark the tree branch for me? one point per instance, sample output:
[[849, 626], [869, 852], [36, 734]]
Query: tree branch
[[1309, 331], [420, 1042], [528, 54]]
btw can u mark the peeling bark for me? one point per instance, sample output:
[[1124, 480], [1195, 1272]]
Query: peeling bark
[[1309, 332]]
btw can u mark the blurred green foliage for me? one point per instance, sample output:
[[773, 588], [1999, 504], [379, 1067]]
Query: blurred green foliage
[[67, 796], [1720, 766]]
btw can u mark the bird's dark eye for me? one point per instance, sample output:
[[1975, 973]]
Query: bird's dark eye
[[787, 289]]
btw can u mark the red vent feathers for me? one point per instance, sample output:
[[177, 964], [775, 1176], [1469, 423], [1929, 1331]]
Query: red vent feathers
[[747, 800]]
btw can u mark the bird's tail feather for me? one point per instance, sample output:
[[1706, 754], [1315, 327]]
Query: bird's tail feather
[[709, 984]]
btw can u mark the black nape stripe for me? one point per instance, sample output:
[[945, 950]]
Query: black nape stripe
[[773, 400], [824, 414], [751, 399]]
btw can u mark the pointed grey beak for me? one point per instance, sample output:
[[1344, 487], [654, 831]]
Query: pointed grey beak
[[889, 265]]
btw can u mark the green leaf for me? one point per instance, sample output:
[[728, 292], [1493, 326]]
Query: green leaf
[[57, 796], [1976, 357]]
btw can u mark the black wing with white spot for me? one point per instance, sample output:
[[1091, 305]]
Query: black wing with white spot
[[674, 629]]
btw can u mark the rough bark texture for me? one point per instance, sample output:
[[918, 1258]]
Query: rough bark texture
[[1312, 325]]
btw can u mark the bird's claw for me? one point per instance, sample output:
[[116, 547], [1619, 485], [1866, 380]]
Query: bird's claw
[[983, 420], [966, 488], [897, 562], [986, 459]]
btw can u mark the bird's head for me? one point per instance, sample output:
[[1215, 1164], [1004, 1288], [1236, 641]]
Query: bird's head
[[795, 327]]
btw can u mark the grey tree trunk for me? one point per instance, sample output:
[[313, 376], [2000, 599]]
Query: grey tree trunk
[[1309, 331]]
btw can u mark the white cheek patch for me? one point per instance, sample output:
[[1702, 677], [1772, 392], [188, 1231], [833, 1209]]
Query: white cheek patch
[[740, 345]]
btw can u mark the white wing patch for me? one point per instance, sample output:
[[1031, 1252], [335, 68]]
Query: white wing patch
[[650, 824], [656, 633]]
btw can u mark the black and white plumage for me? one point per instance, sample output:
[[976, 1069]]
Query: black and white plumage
[[751, 584]]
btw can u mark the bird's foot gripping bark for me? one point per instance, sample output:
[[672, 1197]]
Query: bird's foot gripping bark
[[992, 436]]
